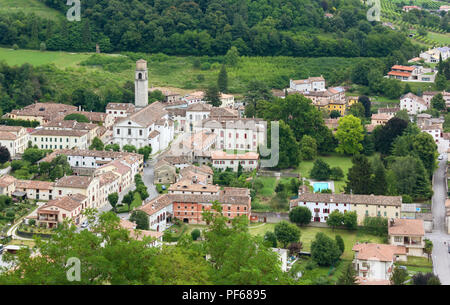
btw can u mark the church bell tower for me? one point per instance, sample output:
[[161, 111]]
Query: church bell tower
[[141, 84]]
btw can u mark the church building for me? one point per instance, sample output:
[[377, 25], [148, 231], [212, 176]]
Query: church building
[[150, 124]]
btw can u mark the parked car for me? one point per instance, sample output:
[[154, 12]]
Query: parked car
[[440, 157], [84, 224]]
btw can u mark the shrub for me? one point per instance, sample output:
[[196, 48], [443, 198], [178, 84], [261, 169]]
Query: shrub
[[195, 234]]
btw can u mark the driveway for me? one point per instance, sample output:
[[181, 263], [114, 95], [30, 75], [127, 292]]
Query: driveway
[[441, 257]]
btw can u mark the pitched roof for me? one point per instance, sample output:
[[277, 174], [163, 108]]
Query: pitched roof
[[199, 107], [7, 180], [45, 110], [188, 186], [94, 116], [72, 124], [129, 107], [4, 135], [407, 227], [34, 184], [404, 68], [414, 98], [399, 73], [79, 182], [59, 133], [352, 199], [68, 203], [381, 252], [225, 156], [148, 115]]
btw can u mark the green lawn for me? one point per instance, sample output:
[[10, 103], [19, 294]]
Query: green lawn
[[28, 7], [37, 58], [308, 234], [137, 201], [333, 160]]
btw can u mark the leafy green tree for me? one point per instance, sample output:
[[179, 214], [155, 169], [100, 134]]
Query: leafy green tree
[[256, 91], [286, 233], [350, 133], [357, 110], [97, 144], [289, 149], [359, 176], [438, 102], [129, 148], [128, 199], [398, 276], [425, 279], [402, 114], [335, 219], [300, 215], [320, 171], [308, 148], [350, 220], [426, 149], [195, 234], [222, 80], [340, 243], [337, 173], [232, 56], [33, 155], [112, 147], [335, 114], [5, 156], [384, 136], [271, 239], [112, 199], [80, 118], [440, 82], [141, 219], [145, 151], [324, 250], [348, 277]]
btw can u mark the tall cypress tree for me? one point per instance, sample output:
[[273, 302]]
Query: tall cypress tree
[[348, 277], [359, 176], [222, 81], [379, 179]]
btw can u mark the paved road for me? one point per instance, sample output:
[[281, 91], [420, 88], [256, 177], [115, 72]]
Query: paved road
[[441, 257]]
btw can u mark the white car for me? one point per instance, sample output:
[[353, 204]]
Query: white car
[[84, 224], [440, 157]]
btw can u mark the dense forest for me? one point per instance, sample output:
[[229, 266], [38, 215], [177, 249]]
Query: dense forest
[[210, 27]]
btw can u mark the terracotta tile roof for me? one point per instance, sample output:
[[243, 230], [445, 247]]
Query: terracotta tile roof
[[398, 73], [153, 134], [68, 203], [204, 169], [381, 116], [407, 227], [72, 124], [4, 135], [128, 107], [147, 116], [404, 68], [352, 199], [138, 234], [59, 133], [199, 107], [7, 180], [221, 155], [120, 167], [176, 159], [234, 123], [45, 110], [94, 116], [224, 112], [381, 252], [79, 182], [14, 129], [187, 186], [89, 153], [34, 184], [153, 206], [107, 178]]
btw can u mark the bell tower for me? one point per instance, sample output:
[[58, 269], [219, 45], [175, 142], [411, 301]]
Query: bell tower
[[141, 84]]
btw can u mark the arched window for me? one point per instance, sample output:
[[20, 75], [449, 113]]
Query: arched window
[[140, 76]]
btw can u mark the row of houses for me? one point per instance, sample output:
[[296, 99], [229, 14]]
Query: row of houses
[[69, 196]]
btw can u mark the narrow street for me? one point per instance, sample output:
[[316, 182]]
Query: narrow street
[[441, 257]]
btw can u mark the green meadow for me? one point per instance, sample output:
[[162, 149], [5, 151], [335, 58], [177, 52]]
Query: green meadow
[[28, 7]]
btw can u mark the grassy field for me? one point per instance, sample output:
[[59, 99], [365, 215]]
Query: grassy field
[[333, 160], [28, 7], [309, 233], [37, 58]]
